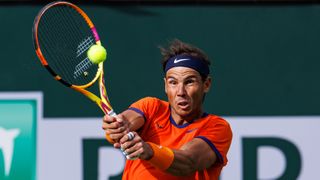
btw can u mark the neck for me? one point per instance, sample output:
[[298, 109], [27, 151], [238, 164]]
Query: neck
[[180, 119]]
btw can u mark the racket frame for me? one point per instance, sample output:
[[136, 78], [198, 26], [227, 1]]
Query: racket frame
[[103, 102]]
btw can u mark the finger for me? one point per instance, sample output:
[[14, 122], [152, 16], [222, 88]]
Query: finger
[[114, 126], [109, 119], [117, 136], [133, 147], [132, 143], [117, 145], [130, 157], [104, 126], [125, 146], [128, 137], [134, 151], [119, 130], [107, 126], [119, 119], [134, 155]]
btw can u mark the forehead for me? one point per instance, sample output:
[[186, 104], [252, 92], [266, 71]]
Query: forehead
[[182, 72]]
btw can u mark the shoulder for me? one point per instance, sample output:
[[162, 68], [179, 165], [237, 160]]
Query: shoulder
[[212, 121], [151, 101], [150, 105]]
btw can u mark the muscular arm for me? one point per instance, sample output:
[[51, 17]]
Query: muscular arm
[[193, 156], [135, 119]]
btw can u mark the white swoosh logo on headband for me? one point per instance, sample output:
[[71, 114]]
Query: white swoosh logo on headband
[[180, 60]]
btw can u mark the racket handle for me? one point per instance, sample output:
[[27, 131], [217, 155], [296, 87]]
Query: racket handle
[[112, 113]]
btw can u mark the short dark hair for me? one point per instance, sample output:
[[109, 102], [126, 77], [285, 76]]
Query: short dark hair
[[177, 47]]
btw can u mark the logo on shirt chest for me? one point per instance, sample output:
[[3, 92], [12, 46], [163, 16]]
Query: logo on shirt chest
[[159, 126], [191, 130]]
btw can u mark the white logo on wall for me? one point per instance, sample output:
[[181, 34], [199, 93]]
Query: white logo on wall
[[7, 145]]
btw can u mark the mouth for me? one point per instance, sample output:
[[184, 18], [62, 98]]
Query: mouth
[[183, 105]]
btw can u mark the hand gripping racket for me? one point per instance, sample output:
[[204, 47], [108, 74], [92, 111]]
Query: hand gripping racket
[[62, 35]]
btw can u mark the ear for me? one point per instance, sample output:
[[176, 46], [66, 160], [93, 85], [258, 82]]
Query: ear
[[165, 84], [207, 84]]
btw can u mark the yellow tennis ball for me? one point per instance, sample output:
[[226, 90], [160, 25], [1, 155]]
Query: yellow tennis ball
[[97, 54]]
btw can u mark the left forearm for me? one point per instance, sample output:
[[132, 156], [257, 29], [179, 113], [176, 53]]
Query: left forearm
[[183, 164], [176, 162]]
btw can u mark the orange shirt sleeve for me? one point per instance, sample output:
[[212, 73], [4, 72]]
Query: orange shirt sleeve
[[146, 107], [218, 135]]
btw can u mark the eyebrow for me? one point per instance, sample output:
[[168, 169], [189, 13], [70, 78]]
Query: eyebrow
[[188, 77]]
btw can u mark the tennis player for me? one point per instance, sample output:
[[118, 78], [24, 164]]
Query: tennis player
[[174, 139]]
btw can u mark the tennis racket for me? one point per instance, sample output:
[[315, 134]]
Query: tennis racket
[[62, 35]]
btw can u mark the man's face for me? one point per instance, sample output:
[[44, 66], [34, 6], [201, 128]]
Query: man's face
[[185, 90]]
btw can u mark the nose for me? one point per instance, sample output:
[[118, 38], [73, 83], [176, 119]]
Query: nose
[[181, 90]]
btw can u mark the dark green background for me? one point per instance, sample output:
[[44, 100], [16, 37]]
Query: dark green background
[[266, 58]]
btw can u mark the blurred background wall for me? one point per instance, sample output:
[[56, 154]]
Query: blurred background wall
[[265, 57]]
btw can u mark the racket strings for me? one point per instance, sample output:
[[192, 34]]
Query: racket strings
[[53, 38], [84, 45], [66, 24], [64, 38], [84, 64], [82, 67], [48, 45]]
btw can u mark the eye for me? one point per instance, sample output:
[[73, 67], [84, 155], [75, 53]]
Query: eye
[[172, 82], [190, 81]]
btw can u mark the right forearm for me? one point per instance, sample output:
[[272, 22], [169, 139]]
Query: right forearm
[[135, 119]]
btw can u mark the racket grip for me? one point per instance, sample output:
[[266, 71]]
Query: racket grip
[[112, 113]]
